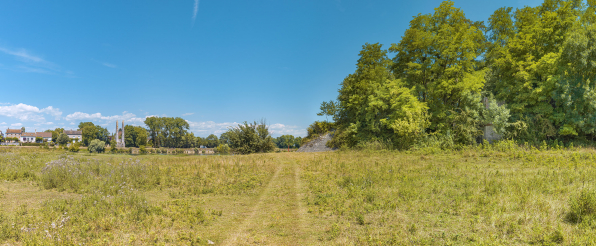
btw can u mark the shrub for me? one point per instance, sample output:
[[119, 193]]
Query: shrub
[[74, 147], [582, 207], [251, 138], [96, 146], [316, 129], [223, 149], [142, 149], [31, 144]]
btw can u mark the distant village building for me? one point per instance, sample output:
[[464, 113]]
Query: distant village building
[[31, 137], [46, 136], [13, 133], [74, 135], [28, 137]]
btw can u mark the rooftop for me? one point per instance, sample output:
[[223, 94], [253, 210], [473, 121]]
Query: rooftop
[[13, 131], [71, 132]]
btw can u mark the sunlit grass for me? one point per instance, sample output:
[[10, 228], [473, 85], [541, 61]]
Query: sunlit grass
[[497, 195]]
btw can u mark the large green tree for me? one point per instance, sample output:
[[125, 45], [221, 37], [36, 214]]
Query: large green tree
[[167, 131], [542, 65], [91, 131], [212, 141], [135, 136], [375, 106], [438, 58], [55, 133]]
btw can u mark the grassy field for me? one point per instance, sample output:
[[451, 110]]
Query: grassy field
[[499, 195]]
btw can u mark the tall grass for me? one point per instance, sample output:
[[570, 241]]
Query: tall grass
[[111, 201], [497, 194]]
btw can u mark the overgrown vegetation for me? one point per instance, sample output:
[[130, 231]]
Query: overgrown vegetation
[[499, 194], [104, 197], [250, 138], [528, 73]]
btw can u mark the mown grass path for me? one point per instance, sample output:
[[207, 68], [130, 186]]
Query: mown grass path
[[279, 216]]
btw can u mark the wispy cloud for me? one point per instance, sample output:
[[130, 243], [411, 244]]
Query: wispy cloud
[[195, 10], [27, 69], [23, 55], [31, 63], [110, 65], [187, 114]]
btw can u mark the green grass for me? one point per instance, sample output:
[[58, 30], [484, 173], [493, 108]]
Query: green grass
[[497, 195]]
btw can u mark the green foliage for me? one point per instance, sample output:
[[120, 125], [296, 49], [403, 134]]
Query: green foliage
[[223, 149], [223, 139], [496, 115], [62, 139], [212, 141], [167, 131], [582, 207], [74, 147], [538, 62], [135, 136], [318, 128], [328, 109], [251, 138], [91, 131], [542, 62], [96, 146], [55, 133], [287, 141], [31, 144], [374, 106], [437, 58]]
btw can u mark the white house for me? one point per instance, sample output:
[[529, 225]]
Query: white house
[[74, 135], [28, 137]]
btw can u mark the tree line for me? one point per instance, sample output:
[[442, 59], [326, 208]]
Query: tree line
[[529, 73], [170, 132]]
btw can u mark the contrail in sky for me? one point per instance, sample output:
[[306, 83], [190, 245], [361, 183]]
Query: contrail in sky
[[195, 10]]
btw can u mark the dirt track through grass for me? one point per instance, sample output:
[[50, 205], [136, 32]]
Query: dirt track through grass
[[482, 196], [279, 217]]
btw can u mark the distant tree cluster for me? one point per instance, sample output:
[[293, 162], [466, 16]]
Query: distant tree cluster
[[288, 141], [530, 74], [91, 131], [174, 133], [135, 136], [169, 132]]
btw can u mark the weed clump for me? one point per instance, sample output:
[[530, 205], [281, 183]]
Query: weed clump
[[582, 207], [73, 174]]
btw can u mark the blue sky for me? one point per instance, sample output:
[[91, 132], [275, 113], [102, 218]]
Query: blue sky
[[213, 63]]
